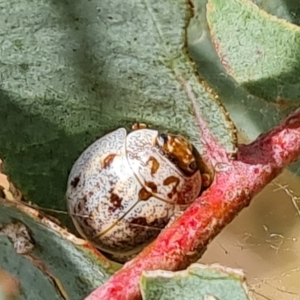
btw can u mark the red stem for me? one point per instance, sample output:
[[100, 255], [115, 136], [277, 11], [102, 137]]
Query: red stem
[[235, 183]]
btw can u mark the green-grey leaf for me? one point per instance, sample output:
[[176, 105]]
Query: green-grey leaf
[[199, 282], [285, 9], [60, 266], [252, 115], [73, 71], [259, 50]]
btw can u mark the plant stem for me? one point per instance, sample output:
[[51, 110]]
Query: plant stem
[[235, 184]]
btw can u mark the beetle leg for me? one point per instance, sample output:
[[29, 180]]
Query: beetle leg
[[137, 126], [177, 213]]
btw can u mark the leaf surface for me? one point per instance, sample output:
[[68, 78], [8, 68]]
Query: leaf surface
[[260, 51], [199, 282], [251, 114], [55, 264], [72, 72]]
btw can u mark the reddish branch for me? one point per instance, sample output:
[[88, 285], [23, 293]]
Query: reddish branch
[[236, 182]]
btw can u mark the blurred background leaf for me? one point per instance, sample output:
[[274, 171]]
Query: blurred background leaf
[[251, 114], [260, 51]]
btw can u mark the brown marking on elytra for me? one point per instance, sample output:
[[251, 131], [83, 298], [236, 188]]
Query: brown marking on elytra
[[108, 160], [89, 225], [152, 186], [154, 164], [75, 181], [79, 207], [139, 221], [172, 180], [142, 221], [111, 182], [144, 194], [116, 201]]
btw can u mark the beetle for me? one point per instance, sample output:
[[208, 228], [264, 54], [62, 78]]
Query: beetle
[[125, 187]]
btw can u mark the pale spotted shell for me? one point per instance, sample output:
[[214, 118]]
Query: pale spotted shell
[[122, 191]]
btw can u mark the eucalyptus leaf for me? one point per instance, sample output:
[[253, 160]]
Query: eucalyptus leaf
[[284, 9], [259, 50], [49, 262], [73, 71], [252, 115], [199, 282]]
